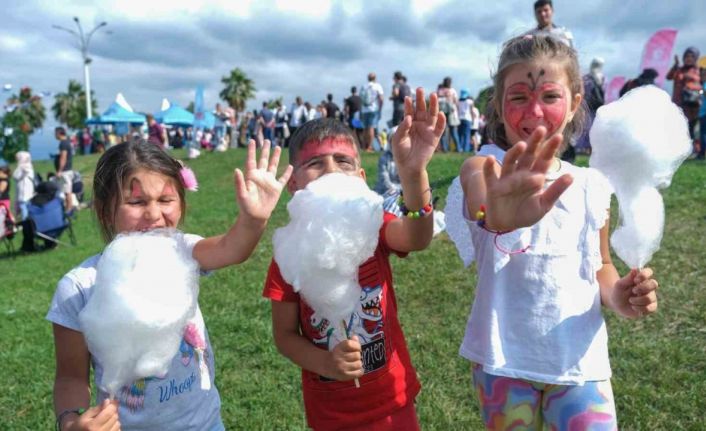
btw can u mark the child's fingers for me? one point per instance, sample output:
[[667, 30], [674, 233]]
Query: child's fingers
[[250, 163], [489, 172], [93, 411], [545, 156], [645, 287], [404, 127], [552, 193], [274, 160], [240, 186], [264, 155], [421, 111], [284, 179], [408, 106], [108, 413], [440, 124], [643, 274], [646, 309], [526, 160], [643, 300], [433, 107], [511, 157]]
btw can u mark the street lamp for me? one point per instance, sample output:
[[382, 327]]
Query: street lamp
[[84, 40]]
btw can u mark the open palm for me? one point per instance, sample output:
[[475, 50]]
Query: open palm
[[418, 135], [258, 189], [517, 198]]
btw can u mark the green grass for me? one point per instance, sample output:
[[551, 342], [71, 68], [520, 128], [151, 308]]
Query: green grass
[[659, 363]]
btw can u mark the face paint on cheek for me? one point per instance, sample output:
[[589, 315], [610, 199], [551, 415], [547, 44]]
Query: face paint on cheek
[[334, 145], [554, 113]]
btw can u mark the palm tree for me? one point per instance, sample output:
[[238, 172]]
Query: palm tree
[[238, 89], [70, 107]]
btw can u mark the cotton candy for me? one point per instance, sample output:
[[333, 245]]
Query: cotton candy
[[334, 228], [145, 293], [638, 143]]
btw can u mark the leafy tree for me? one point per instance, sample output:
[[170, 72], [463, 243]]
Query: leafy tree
[[14, 135], [272, 103], [70, 107], [238, 89], [24, 114]]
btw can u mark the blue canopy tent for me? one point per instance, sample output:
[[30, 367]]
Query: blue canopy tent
[[204, 120], [175, 115], [117, 114]]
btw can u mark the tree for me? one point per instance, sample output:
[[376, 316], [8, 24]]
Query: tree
[[24, 114], [483, 98], [70, 107], [272, 103], [238, 89]]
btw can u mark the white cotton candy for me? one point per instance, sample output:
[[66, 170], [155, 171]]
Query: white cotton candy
[[334, 229], [145, 293], [638, 143]]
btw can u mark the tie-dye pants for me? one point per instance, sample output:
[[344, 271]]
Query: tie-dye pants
[[516, 404]]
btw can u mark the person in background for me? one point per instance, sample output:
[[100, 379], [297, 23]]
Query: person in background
[[544, 14], [63, 165], [24, 183], [687, 87], [371, 95], [332, 110], [156, 133], [448, 100], [702, 117], [465, 105]]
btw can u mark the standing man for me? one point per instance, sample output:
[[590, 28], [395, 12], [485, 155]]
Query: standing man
[[371, 96], [63, 166], [400, 90], [298, 115], [544, 14], [351, 111], [267, 118], [332, 110]]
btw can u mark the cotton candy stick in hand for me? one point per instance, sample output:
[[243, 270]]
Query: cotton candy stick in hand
[[145, 293], [334, 228], [638, 143]]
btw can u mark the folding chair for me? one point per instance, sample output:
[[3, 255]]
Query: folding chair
[[50, 221], [6, 231]]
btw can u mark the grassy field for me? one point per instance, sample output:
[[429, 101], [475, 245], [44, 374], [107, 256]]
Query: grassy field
[[659, 363]]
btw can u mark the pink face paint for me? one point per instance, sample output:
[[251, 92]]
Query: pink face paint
[[135, 189], [527, 106], [329, 146], [168, 189]]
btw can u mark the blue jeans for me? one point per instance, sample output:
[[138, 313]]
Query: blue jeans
[[22, 210], [464, 131], [450, 132]]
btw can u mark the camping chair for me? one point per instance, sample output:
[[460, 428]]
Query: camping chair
[[6, 231], [49, 221]]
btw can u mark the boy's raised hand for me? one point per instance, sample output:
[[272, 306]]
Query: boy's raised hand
[[258, 189], [417, 136], [517, 197]]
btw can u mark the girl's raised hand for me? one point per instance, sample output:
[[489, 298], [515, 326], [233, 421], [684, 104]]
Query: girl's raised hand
[[417, 136], [517, 197], [258, 189]]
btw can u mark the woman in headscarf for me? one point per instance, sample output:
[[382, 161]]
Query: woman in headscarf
[[687, 88]]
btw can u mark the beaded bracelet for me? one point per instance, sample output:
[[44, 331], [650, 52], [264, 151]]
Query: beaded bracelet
[[423, 212], [63, 414], [480, 221]]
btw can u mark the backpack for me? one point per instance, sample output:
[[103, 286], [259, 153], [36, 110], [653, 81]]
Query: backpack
[[367, 95]]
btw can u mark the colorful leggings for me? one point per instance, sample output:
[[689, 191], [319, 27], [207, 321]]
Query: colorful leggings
[[515, 404]]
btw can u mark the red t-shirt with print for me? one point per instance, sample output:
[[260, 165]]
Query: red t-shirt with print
[[390, 381]]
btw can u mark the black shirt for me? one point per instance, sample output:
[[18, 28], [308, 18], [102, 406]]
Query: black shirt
[[354, 103], [64, 145]]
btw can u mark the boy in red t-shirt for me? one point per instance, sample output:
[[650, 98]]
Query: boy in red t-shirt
[[377, 353]]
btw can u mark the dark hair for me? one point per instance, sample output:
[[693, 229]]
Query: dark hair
[[5, 169], [60, 130], [542, 3], [329, 97], [527, 49], [318, 130], [115, 168], [149, 117], [446, 83], [354, 90], [397, 75]]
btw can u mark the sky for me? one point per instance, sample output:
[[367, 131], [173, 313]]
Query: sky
[[157, 48]]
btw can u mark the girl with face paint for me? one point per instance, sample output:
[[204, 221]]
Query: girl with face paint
[[140, 187], [538, 228]]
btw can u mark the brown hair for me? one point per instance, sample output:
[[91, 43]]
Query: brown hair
[[115, 168], [527, 49], [318, 130]]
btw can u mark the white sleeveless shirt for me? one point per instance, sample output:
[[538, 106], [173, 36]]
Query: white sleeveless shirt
[[537, 315]]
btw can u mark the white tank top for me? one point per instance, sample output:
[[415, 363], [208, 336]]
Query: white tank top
[[537, 315]]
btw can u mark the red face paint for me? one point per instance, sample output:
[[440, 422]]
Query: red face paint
[[168, 189], [135, 189], [336, 145], [528, 105]]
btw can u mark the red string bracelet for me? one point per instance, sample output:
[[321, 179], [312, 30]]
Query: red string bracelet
[[480, 221]]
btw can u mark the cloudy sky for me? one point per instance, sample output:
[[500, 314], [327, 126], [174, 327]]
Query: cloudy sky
[[165, 48]]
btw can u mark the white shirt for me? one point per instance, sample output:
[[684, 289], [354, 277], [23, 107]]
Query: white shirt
[[464, 110], [374, 94], [298, 115], [24, 180], [537, 315]]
